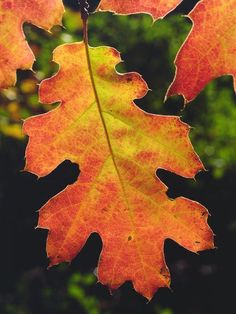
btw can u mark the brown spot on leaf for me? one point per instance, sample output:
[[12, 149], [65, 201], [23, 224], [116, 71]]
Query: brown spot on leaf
[[102, 70]]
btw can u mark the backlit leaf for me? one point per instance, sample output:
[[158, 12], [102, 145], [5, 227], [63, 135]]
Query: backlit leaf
[[118, 148], [157, 8], [14, 50], [210, 49]]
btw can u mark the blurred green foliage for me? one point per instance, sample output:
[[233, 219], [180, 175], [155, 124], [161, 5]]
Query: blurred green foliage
[[76, 289]]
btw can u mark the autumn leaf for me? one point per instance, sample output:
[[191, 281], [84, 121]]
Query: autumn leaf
[[118, 148], [156, 8], [14, 50], [210, 49]]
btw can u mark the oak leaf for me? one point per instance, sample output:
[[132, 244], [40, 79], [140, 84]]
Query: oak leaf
[[14, 50], [118, 148], [156, 8], [210, 49]]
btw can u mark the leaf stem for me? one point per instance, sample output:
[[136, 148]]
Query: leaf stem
[[84, 12], [85, 32]]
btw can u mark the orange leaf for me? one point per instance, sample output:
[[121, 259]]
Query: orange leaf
[[118, 148], [156, 8], [14, 50], [210, 49]]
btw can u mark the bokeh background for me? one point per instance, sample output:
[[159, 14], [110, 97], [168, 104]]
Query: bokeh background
[[200, 283]]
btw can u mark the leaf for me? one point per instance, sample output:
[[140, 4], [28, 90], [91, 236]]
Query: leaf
[[156, 8], [118, 148], [14, 50], [210, 49]]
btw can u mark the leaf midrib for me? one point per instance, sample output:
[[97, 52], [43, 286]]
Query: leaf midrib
[[130, 212]]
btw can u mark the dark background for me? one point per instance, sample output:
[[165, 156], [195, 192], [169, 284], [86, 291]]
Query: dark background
[[200, 283]]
